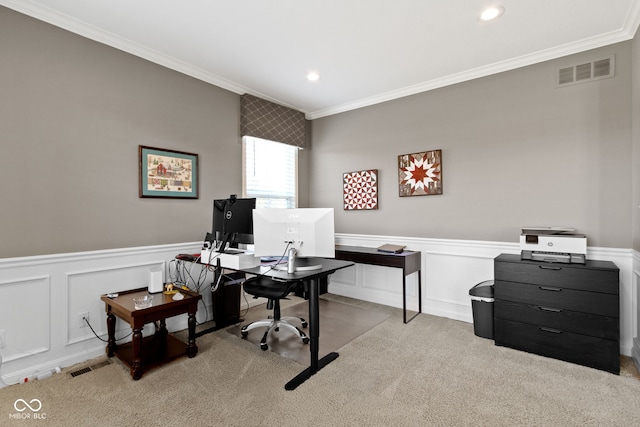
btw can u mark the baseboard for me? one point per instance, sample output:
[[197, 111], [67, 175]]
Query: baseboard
[[46, 335], [451, 267]]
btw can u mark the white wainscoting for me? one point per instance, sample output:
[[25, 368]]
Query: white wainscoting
[[451, 267], [41, 296], [635, 295]]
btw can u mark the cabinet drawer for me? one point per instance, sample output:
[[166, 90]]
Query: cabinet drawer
[[556, 318], [558, 297], [566, 275], [576, 348]]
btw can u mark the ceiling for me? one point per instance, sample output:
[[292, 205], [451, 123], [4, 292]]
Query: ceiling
[[365, 51]]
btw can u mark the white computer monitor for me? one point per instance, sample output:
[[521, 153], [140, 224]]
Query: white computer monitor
[[294, 233]]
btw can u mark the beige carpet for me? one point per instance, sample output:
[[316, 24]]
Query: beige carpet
[[339, 325], [430, 372]]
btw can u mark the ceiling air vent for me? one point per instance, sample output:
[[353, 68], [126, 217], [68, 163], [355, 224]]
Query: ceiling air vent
[[595, 70]]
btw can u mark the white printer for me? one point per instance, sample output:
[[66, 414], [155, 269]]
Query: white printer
[[553, 244]]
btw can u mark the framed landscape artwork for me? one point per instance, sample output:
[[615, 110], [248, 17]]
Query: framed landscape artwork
[[360, 190], [420, 174], [167, 173]]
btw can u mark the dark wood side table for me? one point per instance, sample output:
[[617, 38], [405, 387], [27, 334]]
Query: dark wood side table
[[409, 261], [143, 354]]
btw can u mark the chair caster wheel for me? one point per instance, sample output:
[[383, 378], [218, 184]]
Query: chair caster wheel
[[264, 347], [305, 340], [244, 334], [305, 324]]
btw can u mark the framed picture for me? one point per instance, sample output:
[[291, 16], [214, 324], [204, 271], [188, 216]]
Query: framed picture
[[420, 174], [168, 173], [360, 190]]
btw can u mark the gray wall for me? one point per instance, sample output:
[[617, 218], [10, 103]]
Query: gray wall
[[636, 145], [517, 151], [72, 114]]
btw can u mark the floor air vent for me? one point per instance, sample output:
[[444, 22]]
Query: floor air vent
[[589, 71], [86, 369]]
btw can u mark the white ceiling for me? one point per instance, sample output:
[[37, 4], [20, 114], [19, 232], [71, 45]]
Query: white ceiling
[[366, 51]]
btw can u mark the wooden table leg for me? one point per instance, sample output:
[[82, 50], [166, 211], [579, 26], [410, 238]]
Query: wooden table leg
[[192, 348], [111, 330], [163, 327], [136, 364]]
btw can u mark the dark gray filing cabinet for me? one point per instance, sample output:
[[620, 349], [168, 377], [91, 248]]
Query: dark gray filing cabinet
[[569, 312]]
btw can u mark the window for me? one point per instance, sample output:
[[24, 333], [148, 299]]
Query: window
[[270, 173]]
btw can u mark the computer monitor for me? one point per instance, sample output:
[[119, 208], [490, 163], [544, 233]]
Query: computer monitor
[[233, 222], [295, 233]]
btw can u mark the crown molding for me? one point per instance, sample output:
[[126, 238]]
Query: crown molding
[[83, 29], [627, 32], [88, 31], [75, 26], [495, 68]]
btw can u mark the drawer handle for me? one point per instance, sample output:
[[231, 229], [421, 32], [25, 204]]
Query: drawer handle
[[549, 288], [553, 331], [547, 267], [554, 310]]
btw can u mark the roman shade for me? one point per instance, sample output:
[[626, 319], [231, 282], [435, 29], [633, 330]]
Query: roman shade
[[267, 120]]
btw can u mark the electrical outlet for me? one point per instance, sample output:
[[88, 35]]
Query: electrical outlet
[[3, 338], [81, 319]]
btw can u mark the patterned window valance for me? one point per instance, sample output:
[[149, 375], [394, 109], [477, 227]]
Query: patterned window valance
[[267, 120]]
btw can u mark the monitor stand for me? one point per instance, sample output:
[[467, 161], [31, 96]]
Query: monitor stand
[[223, 249], [294, 264]]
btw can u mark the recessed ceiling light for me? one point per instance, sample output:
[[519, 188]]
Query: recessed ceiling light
[[491, 13], [313, 76]]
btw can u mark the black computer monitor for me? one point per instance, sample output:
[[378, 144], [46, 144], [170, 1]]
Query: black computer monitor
[[233, 222]]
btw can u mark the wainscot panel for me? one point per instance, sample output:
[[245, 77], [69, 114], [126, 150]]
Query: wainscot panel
[[451, 267], [46, 333], [43, 296]]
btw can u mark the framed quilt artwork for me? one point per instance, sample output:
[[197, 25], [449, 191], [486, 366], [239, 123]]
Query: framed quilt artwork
[[420, 174], [360, 190], [167, 173]]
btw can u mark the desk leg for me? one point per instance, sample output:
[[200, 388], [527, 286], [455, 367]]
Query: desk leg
[[192, 348], [404, 296], [314, 340], [136, 363], [111, 330], [419, 291]]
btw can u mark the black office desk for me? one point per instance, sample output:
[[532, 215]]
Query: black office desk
[[311, 277], [409, 261]]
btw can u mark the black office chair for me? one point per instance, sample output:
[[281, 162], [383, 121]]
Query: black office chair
[[264, 287]]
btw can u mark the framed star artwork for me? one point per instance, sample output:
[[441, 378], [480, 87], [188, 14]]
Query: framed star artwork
[[360, 190], [420, 174]]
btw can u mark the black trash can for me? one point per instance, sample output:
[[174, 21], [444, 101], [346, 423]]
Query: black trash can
[[482, 306]]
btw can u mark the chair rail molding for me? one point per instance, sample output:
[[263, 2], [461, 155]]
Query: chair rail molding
[[46, 334], [451, 267], [635, 297]]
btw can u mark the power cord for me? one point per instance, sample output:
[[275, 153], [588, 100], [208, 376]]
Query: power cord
[[280, 261], [100, 338]]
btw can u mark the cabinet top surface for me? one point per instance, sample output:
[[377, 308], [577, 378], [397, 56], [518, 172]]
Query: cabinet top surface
[[590, 263]]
